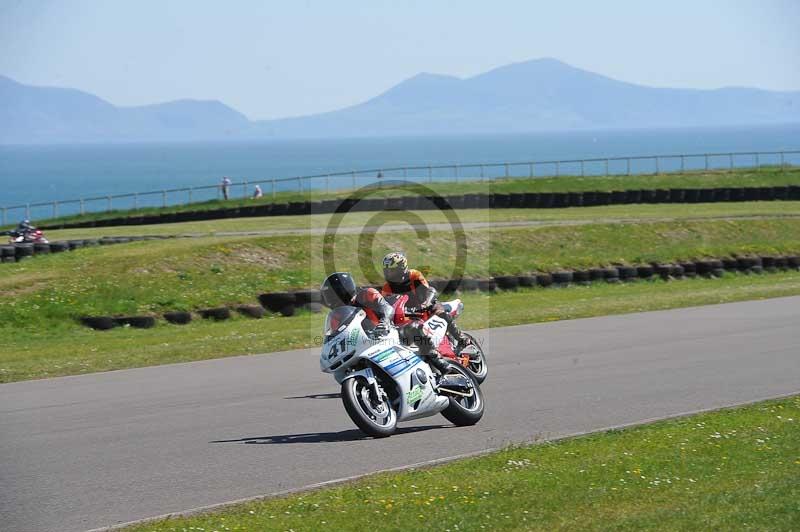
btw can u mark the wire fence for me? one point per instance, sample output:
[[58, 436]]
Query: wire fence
[[351, 180]]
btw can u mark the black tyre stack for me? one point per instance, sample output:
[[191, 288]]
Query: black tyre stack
[[178, 317], [282, 302], [8, 254]]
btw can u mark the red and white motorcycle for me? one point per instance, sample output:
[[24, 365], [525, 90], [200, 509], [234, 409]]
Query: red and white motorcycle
[[33, 236], [471, 356]]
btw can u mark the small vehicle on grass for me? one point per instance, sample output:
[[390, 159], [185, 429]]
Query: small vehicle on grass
[[34, 236]]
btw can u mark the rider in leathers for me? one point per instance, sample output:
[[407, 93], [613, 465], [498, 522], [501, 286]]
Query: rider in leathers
[[340, 289], [402, 280]]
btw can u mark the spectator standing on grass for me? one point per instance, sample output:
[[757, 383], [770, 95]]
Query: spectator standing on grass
[[257, 192], [226, 186]]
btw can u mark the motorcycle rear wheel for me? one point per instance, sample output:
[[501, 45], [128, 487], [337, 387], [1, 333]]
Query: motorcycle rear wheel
[[477, 362], [375, 417], [464, 411]]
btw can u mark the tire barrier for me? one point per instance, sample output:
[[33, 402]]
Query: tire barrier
[[645, 272], [216, 314], [487, 285], [23, 251], [507, 282], [689, 269], [597, 274], [305, 297], [470, 285], [562, 278], [99, 323], [627, 273], [528, 200], [8, 254], [288, 303], [30, 249], [275, 301], [581, 277], [59, 247], [178, 317]]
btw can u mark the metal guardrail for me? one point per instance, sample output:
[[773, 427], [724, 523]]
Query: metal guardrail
[[429, 173]]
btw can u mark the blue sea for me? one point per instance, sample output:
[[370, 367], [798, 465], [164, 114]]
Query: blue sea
[[36, 174]]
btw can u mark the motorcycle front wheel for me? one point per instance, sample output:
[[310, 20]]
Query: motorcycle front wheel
[[373, 415]]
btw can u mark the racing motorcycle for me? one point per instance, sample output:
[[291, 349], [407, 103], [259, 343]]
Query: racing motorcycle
[[384, 382], [33, 236], [471, 357]]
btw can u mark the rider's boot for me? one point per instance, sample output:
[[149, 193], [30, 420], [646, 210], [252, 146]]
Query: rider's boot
[[462, 339], [431, 355], [437, 361]]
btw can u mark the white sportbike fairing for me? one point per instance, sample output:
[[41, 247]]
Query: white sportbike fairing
[[384, 382]]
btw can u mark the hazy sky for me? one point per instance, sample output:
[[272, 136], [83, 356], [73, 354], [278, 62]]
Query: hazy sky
[[273, 59]]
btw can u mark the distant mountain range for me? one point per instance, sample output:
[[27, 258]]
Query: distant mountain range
[[538, 95]]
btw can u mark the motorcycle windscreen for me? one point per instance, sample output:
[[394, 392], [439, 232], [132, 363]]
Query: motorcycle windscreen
[[338, 319]]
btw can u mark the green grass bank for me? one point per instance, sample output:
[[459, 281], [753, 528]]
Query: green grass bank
[[189, 274], [67, 348], [734, 469]]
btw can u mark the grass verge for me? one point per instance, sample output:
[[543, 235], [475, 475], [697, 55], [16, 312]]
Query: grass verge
[[361, 219], [66, 348], [764, 177], [188, 274], [734, 469]]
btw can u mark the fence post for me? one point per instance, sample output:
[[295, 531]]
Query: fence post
[[482, 176], [758, 166], [682, 164], [606, 167], [782, 162], [164, 198], [55, 209], [506, 165], [558, 168], [456, 170], [658, 170], [82, 210], [136, 201], [5, 215], [706, 159], [244, 188], [430, 175], [190, 194], [108, 207], [28, 211], [405, 172], [273, 188], [730, 161], [582, 172], [354, 180], [327, 184], [628, 166], [530, 169], [299, 185]]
